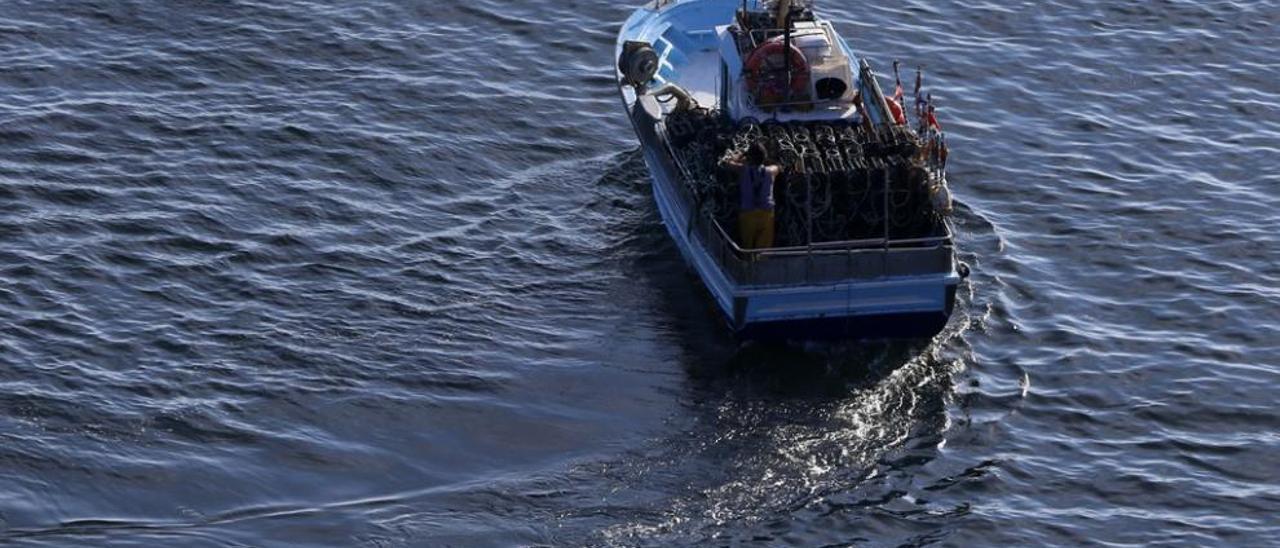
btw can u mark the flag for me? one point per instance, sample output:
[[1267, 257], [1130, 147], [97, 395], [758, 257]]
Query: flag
[[920, 102], [931, 120], [898, 93], [899, 115]]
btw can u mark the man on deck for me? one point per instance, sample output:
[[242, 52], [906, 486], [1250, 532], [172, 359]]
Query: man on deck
[[756, 175]]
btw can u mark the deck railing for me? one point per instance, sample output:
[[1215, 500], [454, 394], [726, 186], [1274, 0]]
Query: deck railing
[[830, 262]]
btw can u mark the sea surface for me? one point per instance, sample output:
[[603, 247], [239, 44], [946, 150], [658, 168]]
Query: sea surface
[[388, 273]]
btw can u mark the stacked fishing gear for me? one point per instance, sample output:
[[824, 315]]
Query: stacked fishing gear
[[841, 180]]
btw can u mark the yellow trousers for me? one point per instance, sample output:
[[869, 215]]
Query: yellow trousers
[[755, 229]]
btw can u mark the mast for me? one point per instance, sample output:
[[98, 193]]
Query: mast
[[784, 17]]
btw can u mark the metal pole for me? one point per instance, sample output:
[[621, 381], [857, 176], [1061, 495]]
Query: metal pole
[[886, 208], [808, 208], [784, 15], [884, 257]]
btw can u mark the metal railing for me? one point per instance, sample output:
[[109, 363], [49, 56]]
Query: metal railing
[[829, 262]]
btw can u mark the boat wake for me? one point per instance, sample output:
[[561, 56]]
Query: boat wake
[[812, 429]]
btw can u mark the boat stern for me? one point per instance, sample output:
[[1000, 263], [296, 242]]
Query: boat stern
[[875, 309]]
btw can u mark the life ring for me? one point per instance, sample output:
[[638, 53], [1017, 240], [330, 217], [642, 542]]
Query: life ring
[[764, 76]]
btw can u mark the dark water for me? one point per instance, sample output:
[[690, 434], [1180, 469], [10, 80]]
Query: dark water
[[375, 273]]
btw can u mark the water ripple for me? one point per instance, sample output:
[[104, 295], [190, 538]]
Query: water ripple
[[388, 274]]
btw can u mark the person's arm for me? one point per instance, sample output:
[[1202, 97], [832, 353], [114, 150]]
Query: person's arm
[[776, 171], [734, 162]]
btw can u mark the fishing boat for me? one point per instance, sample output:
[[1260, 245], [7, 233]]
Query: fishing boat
[[863, 247]]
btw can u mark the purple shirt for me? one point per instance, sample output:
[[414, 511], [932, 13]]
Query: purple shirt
[[756, 188]]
